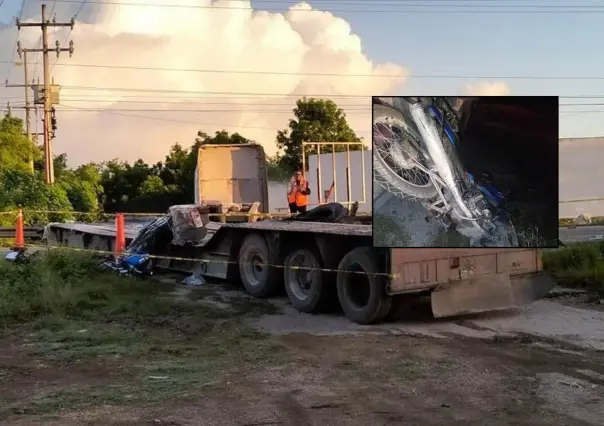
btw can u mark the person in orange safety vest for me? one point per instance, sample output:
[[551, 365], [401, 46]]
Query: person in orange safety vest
[[298, 193]]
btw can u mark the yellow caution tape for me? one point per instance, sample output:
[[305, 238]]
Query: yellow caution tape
[[224, 262], [229, 214]]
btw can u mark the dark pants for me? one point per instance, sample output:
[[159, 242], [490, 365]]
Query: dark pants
[[293, 208]]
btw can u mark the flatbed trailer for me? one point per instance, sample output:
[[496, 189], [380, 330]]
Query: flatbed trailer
[[320, 264]]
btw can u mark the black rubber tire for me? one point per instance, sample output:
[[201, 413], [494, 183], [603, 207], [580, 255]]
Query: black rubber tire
[[322, 292], [378, 303], [261, 285], [386, 177]]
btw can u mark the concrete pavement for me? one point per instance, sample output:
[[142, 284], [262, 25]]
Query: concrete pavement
[[582, 233]]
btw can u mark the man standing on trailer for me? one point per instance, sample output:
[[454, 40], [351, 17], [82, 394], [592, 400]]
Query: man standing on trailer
[[298, 193]]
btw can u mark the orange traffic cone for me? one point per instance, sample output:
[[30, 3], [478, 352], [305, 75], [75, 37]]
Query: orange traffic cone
[[120, 234], [19, 232]]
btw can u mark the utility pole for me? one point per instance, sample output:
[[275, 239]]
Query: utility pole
[[49, 175], [28, 107]]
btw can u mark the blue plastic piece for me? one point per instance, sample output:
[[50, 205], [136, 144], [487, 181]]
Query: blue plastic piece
[[448, 129], [490, 191]]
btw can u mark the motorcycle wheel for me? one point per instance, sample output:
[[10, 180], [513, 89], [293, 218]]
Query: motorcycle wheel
[[396, 156]]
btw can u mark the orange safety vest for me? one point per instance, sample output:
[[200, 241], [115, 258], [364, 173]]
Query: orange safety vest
[[297, 197]]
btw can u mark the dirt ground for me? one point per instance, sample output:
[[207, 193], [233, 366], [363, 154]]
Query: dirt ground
[[251, 363]]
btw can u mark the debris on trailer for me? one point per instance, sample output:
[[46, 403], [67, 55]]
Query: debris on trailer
[[183, 225], [188, 223], [327, 213]]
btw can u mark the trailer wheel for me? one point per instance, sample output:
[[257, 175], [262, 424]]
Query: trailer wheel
[[362, 293], [307, 287], [253, 259]]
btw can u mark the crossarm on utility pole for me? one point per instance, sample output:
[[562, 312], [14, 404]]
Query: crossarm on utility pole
[[44, 24]]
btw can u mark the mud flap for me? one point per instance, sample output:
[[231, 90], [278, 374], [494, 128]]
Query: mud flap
[[490, 292]]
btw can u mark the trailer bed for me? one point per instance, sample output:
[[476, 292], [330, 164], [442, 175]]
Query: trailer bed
[[303, 226], [98, 229]]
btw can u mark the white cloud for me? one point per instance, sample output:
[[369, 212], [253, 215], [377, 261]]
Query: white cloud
[[299, 42], [486, 88]]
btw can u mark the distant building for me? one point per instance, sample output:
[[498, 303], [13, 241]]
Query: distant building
[[581, 176]]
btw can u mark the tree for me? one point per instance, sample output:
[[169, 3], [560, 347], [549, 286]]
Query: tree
[[122, 183], [113, 186], [153, 185], [21, 188], [82, 185], [15, 148], [315, 120], [60, 165], [221, 137], [143, 188], [274, 171]]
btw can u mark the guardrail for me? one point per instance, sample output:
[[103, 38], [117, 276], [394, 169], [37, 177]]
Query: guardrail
[[30, 233]]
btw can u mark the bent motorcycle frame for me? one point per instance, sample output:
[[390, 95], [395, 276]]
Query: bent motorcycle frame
[[442, 174]]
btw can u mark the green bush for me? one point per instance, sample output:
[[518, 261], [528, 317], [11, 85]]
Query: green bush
[[71, 284], [578, 265], [23, 189], [572, 257]]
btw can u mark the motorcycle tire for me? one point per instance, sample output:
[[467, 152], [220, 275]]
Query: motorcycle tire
[[383, 174]]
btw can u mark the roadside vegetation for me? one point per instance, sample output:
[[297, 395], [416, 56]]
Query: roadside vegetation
[[570, 221], [148, 341], [578, 265]]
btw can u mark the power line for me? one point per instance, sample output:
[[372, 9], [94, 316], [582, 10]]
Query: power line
[[75, 17], [163, 99], [183, 121], [218, 71], [241, 94], [10, 68], [254, 104], [364, 108], [299, 95], [463, 9], [348, 110], [252, 111], [99, 97], [320, 74]]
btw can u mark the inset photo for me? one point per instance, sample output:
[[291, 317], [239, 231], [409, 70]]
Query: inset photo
[[465, 171]]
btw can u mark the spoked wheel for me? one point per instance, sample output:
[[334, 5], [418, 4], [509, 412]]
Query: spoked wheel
[[399, 164]]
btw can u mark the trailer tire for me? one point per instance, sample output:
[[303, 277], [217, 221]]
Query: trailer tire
[[256, 276], [377, 304], [320, 294]]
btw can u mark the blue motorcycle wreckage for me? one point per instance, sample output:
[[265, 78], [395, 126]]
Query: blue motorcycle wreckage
[[415, 157]]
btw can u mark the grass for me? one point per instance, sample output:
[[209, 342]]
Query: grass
[[578, 265], [132, 340]]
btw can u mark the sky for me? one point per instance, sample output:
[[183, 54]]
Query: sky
[[491, 49]]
